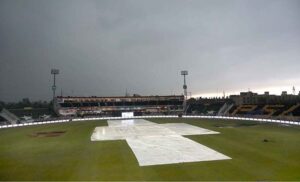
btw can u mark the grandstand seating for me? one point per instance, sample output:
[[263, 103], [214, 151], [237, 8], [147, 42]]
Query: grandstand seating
[[296, 112], [205, 108], [33, 112], [10, 117], [280, 110], [264, 111], [224, 110], [290, 110], [271, 110], [244, 109], [115, 105]]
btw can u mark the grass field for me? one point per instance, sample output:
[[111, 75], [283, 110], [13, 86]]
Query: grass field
[[72, 156]]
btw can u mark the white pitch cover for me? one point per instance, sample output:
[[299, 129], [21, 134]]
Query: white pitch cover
[[187, 129], [155, 150], [156, 144]]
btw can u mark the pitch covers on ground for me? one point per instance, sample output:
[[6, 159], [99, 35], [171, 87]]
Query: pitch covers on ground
[[155, 144]]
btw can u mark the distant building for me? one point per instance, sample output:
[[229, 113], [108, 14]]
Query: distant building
[[284, 93], [266, 98]]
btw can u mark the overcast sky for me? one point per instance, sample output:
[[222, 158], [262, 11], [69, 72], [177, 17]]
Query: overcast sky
[[104, 47]]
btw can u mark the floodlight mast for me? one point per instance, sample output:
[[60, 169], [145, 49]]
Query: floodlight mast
[[54, 72], [184, 73]]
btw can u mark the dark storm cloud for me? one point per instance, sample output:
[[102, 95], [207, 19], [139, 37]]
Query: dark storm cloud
[[105, 47]]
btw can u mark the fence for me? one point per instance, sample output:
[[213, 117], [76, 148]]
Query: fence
[[158, 116]]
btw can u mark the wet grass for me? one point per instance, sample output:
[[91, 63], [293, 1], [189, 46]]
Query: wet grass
[[73, 156]]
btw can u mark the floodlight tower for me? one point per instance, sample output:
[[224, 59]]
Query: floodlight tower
[[184, 73], [294, 90], [54, 72]]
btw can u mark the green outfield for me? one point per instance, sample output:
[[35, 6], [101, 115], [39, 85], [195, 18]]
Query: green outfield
[[63, 151]]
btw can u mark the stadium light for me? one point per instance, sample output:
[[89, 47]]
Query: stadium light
[[184, 73], [54, 72]]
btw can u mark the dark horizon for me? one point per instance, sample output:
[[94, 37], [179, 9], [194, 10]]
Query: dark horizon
[[104, 48]]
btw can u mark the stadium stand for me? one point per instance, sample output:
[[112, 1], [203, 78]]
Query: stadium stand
[[290, 110], [249, 104], [8, 116], [269, 110], [296, 112], [206, 106], [35, 113], [244, 109], [114, 106], [224, 110]]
